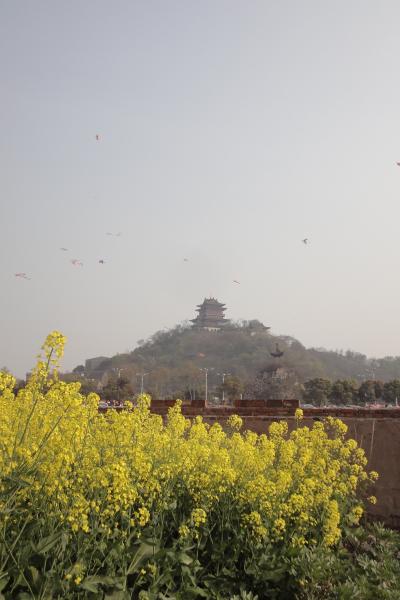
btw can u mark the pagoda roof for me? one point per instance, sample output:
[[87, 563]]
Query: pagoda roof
[[210, 314], [209, 301]]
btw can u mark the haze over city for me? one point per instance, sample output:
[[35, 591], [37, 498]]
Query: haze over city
[[223, 133]]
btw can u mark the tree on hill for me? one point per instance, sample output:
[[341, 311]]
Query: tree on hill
[[367, 392], [317, 391], [242, 349], [379, 386], [175, 382], [79, 370], [118, 389], [231, 389], [345, 391], [391, 392], [88, 385]]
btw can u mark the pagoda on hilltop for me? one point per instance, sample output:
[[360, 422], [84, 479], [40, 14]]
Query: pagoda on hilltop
[[211, 315]]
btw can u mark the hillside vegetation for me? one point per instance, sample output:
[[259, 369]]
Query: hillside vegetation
[[173, 359]]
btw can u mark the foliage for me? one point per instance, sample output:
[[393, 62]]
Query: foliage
[[321, 391], [122, 505], [317, 391], [117, 389], [232, 388], [366, 566], [391, 391], [367, 392], [345, 391], [173, 359]]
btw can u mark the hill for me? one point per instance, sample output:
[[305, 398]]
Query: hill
[[173, 359]]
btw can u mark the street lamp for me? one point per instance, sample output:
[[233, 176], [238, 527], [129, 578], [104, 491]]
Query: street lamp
[[142, 376], [205, 370], [118, 371], [223, 381]]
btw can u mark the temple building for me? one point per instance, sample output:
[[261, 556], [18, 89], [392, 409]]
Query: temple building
[[211, 315]]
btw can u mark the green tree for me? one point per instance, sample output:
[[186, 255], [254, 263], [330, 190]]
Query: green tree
[[117, 389], [391, 392], [345, 391], [379, 385], [367, 392], [317, 391], [232, 388]]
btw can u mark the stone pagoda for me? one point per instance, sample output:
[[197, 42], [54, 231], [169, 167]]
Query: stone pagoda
[[211, 315]]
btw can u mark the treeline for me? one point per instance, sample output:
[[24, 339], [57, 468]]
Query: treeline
[[345, 392]]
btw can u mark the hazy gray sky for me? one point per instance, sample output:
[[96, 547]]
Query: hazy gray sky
[[230, 130]]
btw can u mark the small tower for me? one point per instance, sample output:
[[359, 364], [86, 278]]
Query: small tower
[[211, 315]]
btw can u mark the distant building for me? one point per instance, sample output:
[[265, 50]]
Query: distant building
[[274, 382], [96, 366], [211, 315], [255, 327]]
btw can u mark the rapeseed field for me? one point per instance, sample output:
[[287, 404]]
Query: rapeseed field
[[126, 505]]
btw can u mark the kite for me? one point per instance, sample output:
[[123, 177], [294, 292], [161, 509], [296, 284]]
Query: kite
[[114, 234], [97, 137], [76, 262], [22, 275], [101, 261], [235, 281], [64, 249], [305, 241], [185, 260]]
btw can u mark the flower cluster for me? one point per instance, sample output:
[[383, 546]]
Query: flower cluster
[[114, 474]]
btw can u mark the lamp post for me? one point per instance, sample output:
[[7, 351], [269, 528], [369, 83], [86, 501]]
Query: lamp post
[[142, 376], [118, 371], [205, 370], [223, 381]]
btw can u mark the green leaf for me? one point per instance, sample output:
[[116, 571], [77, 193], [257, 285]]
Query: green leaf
[[4, 579], [35, 574], [197, 592], [89, 586], [47, 543], [185, 559], [96, 580], [118, 595], [144, 551], [64, 541]]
